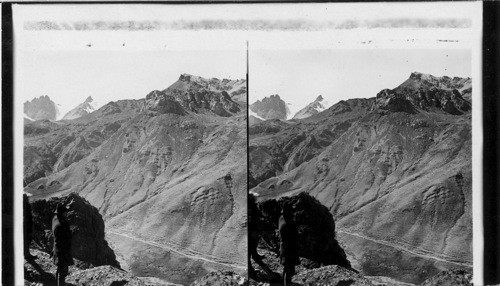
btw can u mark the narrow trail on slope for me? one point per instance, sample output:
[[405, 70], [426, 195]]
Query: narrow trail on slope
[[192, 254], [417, 252]]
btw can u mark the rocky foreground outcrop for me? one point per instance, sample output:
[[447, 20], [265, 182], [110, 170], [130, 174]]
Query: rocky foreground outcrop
[[456, 277], [221, 278], [88, 243], [41, 271], [315, 226], [307, 273]]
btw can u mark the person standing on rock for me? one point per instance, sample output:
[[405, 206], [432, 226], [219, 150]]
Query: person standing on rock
[[28, 227], [289, 246], [253, 233], [61, 252]]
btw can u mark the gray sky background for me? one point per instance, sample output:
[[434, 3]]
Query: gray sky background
[[297, 65]]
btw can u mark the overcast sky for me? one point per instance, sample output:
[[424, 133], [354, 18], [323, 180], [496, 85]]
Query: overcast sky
[[298, 65]]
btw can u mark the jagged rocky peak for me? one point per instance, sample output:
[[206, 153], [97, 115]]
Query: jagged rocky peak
[[419, 80], [41, 108], [200, 95], [428, 93], [272, 107], [236, 88]]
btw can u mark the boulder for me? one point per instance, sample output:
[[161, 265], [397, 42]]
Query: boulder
[[87, 226], [315, 226]]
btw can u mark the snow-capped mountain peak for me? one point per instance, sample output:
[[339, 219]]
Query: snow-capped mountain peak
[[84, 108], [317, 106]]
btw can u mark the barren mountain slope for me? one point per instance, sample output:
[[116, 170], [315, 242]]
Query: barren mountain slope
[[397, 176], [170, 184], [52, 146]]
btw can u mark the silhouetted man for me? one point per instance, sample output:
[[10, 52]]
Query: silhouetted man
[[28, 226], [62, 244], [253, 235], [289, 247]]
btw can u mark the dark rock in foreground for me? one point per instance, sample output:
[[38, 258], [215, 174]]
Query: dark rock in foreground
[[315, 226], [450, 278], [224, 278], [332, 275], [41, 271], [87, 226]]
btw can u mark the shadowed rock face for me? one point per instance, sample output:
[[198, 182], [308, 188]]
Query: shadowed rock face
[[41, 108], [87, 226], [314, 224], [394, 169], [162, 103], [201, 95]]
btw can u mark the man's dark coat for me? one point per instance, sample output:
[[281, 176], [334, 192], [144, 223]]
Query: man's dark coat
[[62, 242], [289, 243]]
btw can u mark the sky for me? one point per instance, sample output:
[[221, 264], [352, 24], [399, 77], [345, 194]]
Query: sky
[[298, 65], [299, 76]]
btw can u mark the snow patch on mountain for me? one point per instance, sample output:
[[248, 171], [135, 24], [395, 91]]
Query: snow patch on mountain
[[315, 107], [88, 106]]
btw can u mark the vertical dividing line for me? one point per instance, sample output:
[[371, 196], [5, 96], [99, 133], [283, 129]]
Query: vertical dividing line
[[7, 193], [248, 164]]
